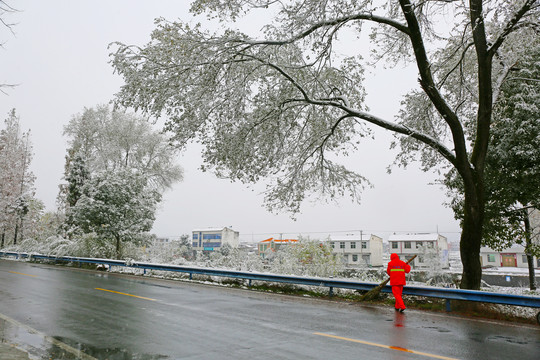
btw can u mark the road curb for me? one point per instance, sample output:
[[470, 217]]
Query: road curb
[[10, 351]]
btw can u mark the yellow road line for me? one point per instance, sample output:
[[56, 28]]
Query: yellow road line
[[121, 293], [386, 346], [14, 272]]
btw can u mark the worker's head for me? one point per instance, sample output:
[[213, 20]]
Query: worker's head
[[394, 256]]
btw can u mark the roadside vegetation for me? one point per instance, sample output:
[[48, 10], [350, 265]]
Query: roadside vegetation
[[304, 259]]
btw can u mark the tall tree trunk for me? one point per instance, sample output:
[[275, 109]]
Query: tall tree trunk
[[21, 236], [528, 244], [472, 231], [16, 233], [118, 247], [469, 246], [3, 238]]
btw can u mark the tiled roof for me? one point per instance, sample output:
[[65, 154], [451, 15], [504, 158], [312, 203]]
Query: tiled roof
[[279, 240], [415, 237]]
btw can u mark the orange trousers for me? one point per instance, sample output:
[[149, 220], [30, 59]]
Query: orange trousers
[[397, 290]]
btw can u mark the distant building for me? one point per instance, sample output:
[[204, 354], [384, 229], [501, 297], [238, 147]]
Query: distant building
[[273, 245], [214, 238], [161, 240], [358, 250], [427, 247], [510, 257], [514, 256]]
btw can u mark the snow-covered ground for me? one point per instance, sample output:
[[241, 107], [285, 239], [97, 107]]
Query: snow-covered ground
[[508, 270]]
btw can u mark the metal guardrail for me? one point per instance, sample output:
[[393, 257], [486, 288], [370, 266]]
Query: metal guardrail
[[442, 293]]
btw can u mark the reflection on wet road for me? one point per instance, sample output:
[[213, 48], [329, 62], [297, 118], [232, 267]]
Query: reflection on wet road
[[63, 313]]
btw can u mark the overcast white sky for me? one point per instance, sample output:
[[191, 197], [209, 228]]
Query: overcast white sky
[[58, 56]]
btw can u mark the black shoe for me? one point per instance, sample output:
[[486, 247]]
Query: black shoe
[[401, 310], [398, 310]]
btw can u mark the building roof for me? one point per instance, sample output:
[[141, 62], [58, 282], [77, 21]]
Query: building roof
[[365, 237], [515, 248], [279, 241], [210, 229], [415, 237]]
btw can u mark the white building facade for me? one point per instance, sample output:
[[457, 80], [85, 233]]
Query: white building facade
[[214, 238], [514, 256], [431, 249], [510, 257], [358, 250]]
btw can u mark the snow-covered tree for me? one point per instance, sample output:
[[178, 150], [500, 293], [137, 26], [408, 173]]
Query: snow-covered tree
[[47, 225], [231, 258], [513, 164], [109, 140], [104, 146], [16, 180], [76, 177], [306, 257], [281, 108], [116, 206]]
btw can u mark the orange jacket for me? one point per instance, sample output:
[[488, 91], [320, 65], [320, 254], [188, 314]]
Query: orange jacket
[[397, 270]]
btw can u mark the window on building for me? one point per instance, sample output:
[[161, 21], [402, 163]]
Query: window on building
[[430, 244], [332, 244], [365, 258], [342, 245], [418, 244], [364, 244], [355, 258], [524, 259], [407, 245], [353, 246], [394, 245], [211, 236], [195, 236], [420, 259], [491, 257]]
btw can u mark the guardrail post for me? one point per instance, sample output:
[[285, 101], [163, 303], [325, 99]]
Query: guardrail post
[[190, 276], [249, 284], [448, 305], [331, 292], [144, 271]]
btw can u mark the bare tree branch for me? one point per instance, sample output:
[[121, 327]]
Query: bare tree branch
[[512, 25], [335, 22]]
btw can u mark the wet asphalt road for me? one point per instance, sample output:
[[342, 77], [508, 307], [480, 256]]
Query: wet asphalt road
[[62, 313]]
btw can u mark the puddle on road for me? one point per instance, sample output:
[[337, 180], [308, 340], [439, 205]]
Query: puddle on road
[[439, 329], [506, 339], [41, 347], [108, 354], [33, 343]]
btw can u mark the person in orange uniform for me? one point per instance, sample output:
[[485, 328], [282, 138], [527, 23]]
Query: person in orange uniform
[[397, 270]]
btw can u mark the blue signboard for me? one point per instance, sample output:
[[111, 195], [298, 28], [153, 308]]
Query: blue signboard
[[209, 248]]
